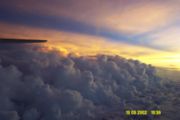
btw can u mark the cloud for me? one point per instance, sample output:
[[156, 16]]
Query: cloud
[[132, 29], [167, 38], [73, 42], [139, 18], [83, 45], [10, 115], [132, 17], [38, 84]]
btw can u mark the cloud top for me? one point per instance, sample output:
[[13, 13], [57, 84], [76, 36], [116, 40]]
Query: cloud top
[[38, 85]]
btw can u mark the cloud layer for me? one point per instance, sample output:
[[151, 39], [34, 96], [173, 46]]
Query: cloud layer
[[147, 29], [37, 84], [128, 16]]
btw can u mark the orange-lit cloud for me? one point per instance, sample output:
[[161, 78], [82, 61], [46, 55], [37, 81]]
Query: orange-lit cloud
[[85, 45], [155, 22]]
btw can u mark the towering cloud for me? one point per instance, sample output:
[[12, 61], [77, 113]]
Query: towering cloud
[[44, 85]]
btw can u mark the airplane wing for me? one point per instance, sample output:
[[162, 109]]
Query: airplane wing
[[19, 41]]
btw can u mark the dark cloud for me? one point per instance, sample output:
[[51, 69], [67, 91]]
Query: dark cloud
[[37, 85]]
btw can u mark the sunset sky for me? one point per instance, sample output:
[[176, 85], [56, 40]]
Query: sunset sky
[[147, 30]]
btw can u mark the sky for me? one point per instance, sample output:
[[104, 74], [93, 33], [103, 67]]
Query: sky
[[147, 30]]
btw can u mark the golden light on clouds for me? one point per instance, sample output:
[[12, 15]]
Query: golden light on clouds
[[86, 45], [163, 59]]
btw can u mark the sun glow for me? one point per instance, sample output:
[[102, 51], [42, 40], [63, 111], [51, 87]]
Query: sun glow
[[87, 45]]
